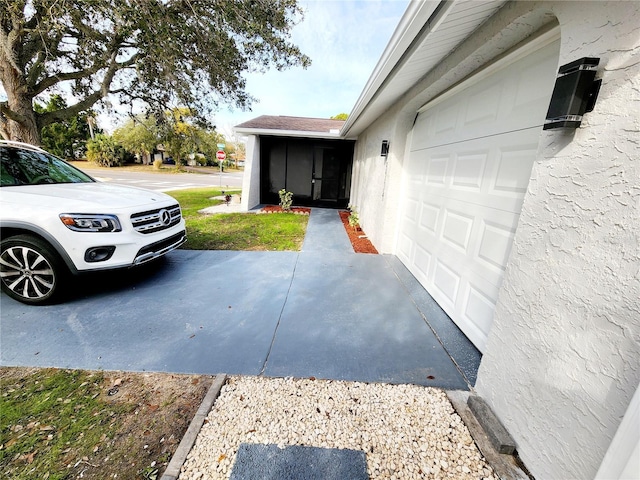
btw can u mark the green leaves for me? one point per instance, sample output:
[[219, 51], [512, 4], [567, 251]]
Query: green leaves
[[105, 151], [67, 138], [163, 53]]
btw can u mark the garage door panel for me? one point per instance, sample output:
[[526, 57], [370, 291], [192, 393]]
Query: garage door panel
[[406, 245], [511, 178], [422, 260], [445, 121], [456, 229], [437, 168], [429, 217], [482, 108], [494, 245], [469, 165], [477, 311], [469, 170], [447, 281], [411, 210], [533, 87]]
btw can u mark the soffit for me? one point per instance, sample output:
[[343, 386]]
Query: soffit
[[425, 36]]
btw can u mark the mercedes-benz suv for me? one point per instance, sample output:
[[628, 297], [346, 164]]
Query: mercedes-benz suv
[[56, 220]]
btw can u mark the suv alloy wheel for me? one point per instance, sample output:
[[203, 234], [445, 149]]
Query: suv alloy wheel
[[30, 270]]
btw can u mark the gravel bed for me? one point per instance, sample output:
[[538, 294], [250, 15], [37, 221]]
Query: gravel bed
[[406, 431]]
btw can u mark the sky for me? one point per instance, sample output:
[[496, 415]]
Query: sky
[[344, 39]]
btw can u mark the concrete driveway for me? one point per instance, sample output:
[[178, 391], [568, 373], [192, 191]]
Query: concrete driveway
[[324, 312]]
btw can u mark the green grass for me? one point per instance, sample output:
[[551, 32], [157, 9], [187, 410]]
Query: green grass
[[165, 168], [236, 231], [50, 419]]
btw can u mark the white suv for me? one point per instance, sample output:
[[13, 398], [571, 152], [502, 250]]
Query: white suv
[[56, 220]]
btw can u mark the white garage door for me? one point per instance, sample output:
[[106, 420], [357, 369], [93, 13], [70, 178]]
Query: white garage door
[[468, 170]]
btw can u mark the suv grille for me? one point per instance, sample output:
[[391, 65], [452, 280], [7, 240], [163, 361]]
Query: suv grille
[[156, 220]]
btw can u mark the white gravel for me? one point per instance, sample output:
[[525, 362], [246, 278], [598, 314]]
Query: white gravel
[[406, 431]]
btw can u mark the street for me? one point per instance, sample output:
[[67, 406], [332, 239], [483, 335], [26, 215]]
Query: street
[[166, 181]]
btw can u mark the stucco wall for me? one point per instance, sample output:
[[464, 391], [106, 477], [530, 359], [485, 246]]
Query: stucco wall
[[251, 177], [376, 180], [563, 357]]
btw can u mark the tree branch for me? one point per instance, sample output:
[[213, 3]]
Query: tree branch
[[10, 114], [4, 127], [52, 80], [48, 118]]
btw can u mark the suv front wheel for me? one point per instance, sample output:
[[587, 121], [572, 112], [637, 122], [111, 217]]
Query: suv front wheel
[[30, 270]]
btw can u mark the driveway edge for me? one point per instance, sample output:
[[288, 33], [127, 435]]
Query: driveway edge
[[173, 469], [504, 466]]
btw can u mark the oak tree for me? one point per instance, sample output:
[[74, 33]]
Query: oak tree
[[66, 138], [157, 53]]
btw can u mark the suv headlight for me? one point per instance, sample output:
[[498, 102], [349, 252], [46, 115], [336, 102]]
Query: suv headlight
[[91, 223]]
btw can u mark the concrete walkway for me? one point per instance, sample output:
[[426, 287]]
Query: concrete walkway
[[324, 312]]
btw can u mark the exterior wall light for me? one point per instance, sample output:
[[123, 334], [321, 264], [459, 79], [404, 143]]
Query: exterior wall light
[[574, 94], [384, 150]]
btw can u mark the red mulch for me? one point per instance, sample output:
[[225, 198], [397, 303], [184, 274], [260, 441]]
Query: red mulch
[[278, 209], [360, 243]]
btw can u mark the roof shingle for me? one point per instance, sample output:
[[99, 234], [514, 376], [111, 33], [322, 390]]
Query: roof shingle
[[302, 124]]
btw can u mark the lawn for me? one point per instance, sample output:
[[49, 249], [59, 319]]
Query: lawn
[[165, 168], [236, 231], [63, 424]]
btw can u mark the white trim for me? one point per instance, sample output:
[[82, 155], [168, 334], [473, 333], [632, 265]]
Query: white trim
[[622, 458], [288, 133], [542, 40]]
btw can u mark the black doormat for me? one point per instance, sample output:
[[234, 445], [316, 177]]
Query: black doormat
[[264, 462]]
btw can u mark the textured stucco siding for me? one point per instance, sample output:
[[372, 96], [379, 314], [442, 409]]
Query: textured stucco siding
[[563, 357], [376, 180], [251, 177]]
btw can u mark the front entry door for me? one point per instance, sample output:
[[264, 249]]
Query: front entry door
[[330, 176], [326, 175]]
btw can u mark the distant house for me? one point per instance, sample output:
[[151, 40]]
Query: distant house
[[528, 238]]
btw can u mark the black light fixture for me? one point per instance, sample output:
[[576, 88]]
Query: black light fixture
[[384, 150], [574, 94]]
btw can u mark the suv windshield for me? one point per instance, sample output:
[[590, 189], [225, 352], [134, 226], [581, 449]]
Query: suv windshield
[[26, 167]]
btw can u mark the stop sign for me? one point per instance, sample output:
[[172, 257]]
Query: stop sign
[[220, 155]]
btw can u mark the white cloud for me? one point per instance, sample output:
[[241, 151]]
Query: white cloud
[[344, 39]]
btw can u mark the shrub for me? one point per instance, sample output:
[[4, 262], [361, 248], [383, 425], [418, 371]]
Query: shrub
[[105, 151], [286, 199], [157, 164], [354, 219]]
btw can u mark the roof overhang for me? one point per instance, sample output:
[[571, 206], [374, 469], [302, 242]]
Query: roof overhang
[[426, 34], [288, 133]]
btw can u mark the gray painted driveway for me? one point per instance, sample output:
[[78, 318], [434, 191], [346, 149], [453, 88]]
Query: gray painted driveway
[[324, 312]]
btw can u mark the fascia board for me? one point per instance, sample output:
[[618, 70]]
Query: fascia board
[[287, 133]]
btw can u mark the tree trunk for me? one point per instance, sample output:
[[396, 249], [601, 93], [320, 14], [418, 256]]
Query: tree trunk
[[27, 129], [22, 133], [21, 122]]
